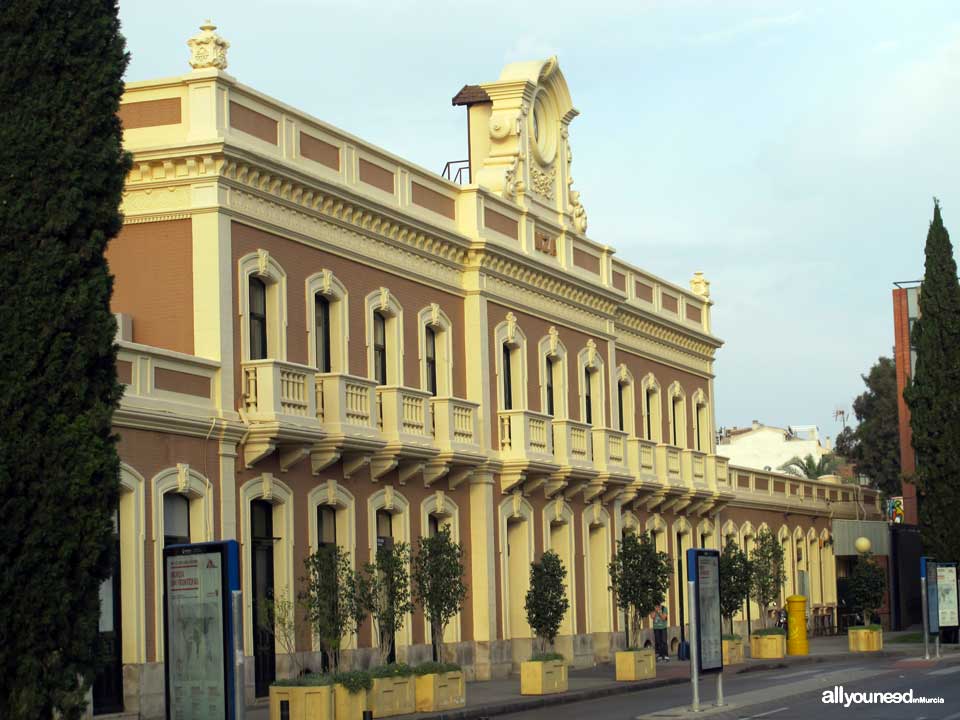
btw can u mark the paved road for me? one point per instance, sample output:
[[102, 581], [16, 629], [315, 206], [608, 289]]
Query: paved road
[[789, 694]]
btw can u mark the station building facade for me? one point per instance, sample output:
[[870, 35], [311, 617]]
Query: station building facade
[[323, 342]]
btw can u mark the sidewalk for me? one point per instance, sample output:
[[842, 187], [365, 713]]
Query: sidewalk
[[499, 697]]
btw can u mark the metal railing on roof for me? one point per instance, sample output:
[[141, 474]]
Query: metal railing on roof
[[457, 171]]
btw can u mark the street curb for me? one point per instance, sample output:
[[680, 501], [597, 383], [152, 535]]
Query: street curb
[[542, 701], [792, 660]]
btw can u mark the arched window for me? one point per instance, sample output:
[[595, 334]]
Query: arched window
[[384, 338], [678, 416], [258, 319], [430, 359], [652, 424], [621, 388], [379, 348], [626, 401], [328, 325], [262, 290], [321, 332], [701, 422], [587, 396], [548, 373], [507, 365]]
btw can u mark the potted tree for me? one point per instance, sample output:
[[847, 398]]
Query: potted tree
[[388, 580], [439, 589], [866, 586], [294, 693], [546, 604], [639, 577], [767, 576], [734, 588]]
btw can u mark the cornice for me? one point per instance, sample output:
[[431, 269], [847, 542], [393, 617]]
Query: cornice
[[159, 187]]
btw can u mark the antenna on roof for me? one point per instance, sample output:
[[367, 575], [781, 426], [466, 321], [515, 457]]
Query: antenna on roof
[[840, 414]]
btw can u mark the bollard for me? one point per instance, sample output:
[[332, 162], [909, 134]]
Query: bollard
[[797, 626], [368, 715]]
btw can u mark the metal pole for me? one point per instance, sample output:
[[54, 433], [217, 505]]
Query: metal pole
[[720, 702], [239, 702], [923, 602], [694, 670]]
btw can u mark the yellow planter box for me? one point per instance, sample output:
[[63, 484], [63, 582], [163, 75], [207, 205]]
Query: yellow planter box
[[543, 677], [771, 647], [303, 702], [732, 652], [392, 696], [440, 691], [347, 704], [636, 665], [864, 640]]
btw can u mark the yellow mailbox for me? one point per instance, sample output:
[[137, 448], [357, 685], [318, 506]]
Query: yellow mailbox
[[797, 625]]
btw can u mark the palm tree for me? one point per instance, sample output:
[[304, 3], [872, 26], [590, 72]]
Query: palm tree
[[810, 468]]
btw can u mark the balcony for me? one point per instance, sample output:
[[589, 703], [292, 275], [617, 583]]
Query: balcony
[[573, 445], [405, 420], [694, 467], [668, 465], [641, 456], [456, 431], [610, 454], [279, 403], [162, 382], [526, 435], [718, 474], [347, 410]]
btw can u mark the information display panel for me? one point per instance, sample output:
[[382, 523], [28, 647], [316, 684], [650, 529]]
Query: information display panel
[[198, 630], [947, 594], [933, 598], [704, 570]]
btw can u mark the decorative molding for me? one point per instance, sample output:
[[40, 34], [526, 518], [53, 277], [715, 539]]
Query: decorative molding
[[543, 183]]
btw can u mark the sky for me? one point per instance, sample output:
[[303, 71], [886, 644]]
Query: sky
[[789, 150]]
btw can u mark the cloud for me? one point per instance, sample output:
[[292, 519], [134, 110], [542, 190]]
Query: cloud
[[753, 26]]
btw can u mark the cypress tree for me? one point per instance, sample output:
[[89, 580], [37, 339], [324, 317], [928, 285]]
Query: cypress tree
[[61, 176], [933, 395]]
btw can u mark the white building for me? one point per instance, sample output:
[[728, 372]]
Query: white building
[[766, 447]]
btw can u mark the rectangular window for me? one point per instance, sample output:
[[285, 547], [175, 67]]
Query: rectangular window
[[258, 318], [507, 378], [696, 430], [384, 528], [326, 525], [433, 526], [550, 400], [587, 398], [176, 519], [430, 352], [322, 329], [380, 348], [676, 421]]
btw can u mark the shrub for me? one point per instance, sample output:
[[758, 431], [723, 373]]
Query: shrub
[[734, 580], [435, 668], [545, 657], [763, 632], [354, 681], [329, 599], [546, 602], [867, 583], [391, 670], [767, 573]]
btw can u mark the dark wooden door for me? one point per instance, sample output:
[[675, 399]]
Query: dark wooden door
[[108, 684], [264, 657]]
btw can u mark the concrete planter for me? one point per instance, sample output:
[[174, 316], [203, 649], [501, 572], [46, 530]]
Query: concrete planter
[[441, 691], [392, 696], [732, 652], [301, 702], [636, 665], [864, 639], [347, 704], [770, 647], [539, 677]]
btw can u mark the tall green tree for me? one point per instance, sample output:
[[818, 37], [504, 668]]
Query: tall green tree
[[438, 585], [809, 467], [767, 571], [639, 578], [874, 445], [933, 395], [734, 580], [61, 176], [386, 588], [546, 601], [867, 583]]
